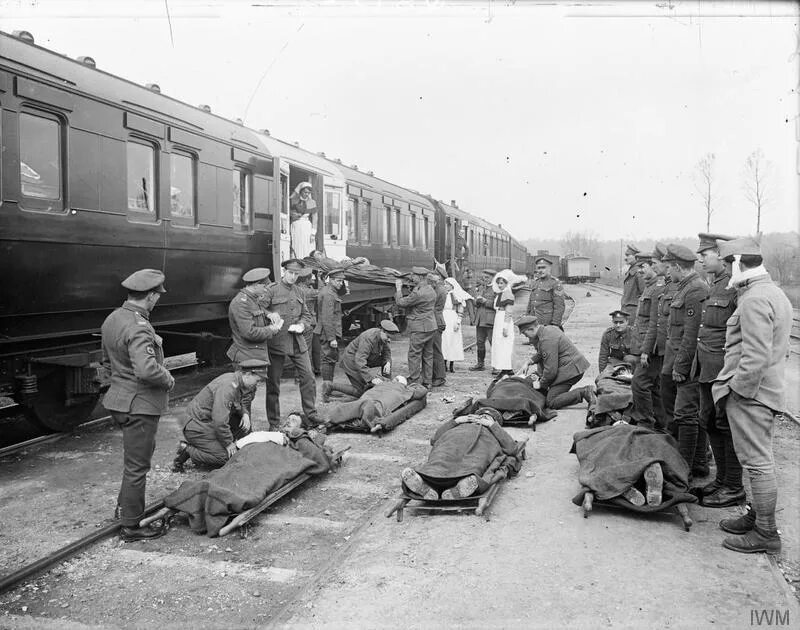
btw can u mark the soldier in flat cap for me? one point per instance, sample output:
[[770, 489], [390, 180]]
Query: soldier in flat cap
[[632, 283], [305, 282], [219, 415], [329, 327], [679, 387], [616, 342], [289, 344], [750, 387], [727, 488], [369, 350], [138, 395], [546, 301], [421, 324], [646, 385], [484, 316], [250, 324], [441, 288]]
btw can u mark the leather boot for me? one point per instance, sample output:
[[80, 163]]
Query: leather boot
[[478, 367], [741, 524], [754, 541], [131, 534], [181, 456], [724, 497]]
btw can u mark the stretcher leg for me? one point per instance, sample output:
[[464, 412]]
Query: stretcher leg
[[162, 513], [397, 506], [683, 510], [588, 499]]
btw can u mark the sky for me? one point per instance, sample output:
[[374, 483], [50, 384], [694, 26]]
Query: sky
[[544, 118]]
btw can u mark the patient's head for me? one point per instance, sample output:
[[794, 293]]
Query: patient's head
[[401, 379], [292, 424]]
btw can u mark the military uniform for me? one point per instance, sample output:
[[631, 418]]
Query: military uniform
[[329, 328], [632, 287], [249, 326], [368, 350], [287, 300], [546, 301], [646, 384], [562, 365], [484, 320], [682, 324], [421, 325], [614, 347], [313, 342], [139, 390], [439, 369], [215, 419]]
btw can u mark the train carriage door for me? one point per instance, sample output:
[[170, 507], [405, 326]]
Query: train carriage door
[[296, 176], [280, 233], [332, 227]]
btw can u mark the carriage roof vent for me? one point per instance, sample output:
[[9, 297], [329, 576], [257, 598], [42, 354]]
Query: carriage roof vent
[[87, 61], [205, 108], [296, 143], [338, 160], [453, 203], [371, 173], [25, 36], [154, 87], [321, 153], [354, 167], [265, 132], [240, 122]]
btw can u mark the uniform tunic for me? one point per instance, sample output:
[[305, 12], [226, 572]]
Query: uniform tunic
[[717, 309], [249, 327], [632, 287], [648, 303], [646, 384], [683, 323], [614, 346], [288, 301], [546, 301], [368, 350], [484, 318], [329, 328], [419, 306]]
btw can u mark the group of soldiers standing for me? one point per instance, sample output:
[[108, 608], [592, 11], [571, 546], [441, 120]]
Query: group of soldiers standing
[[709, 355]]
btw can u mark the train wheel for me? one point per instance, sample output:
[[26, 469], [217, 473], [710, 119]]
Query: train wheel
[[47, 408]]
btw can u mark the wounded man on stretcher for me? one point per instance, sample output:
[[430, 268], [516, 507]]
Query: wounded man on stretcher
[[468, 455], [515, 398]]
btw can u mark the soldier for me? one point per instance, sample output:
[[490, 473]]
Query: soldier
[[561, 364], [287, 300], [138, 395], [440, 287], [484, 316], [678, 385], [305, 282], [369, 350], [219, 415], [250, 325], [329, 327], [615, 345], [419, 307], [546, 301], [727, 488], [468, 284], [646, 385], [632, 283], [750, 387]]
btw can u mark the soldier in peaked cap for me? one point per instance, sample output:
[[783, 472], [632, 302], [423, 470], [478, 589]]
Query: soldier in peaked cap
[[645, 386], [484, 315], [632, 283], [329, 327], [369, 350], [616, 342], [441, 288], [219, 415], [419, 308], [727, 488], [286, 299], [305, 282], [138, 394], [547, 295], [249, 321], [679, 386], [751, 388]]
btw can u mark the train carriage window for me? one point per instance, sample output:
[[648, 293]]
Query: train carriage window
[[387, 225], [352, 219], [141, 177], [364, 213], [182, 186], [425, 233], [396, 228], [414, 242], [333, 213], [40, 161], [242, 181]]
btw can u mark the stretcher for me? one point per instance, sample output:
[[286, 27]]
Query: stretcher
[[388, 422], [682, 508], [241, 521], [477, 504]]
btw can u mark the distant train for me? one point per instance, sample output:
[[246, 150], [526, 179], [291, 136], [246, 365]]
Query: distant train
[[101, 176], [571, 269]]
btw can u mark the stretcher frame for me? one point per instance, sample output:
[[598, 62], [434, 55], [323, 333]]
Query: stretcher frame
[[477, 504], [682, 509], [241, 521], [398, 416]]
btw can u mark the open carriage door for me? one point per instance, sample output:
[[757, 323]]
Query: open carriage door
[[279, 233]]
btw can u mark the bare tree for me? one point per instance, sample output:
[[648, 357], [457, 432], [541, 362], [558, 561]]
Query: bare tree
[[704, 183], [756, 174], [580, 244]]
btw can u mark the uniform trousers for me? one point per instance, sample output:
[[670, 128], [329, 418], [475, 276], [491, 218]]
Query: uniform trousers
[[715, 422], [138, 444], [329, 357], [560, 396], [682, 399], [752, 429], [646, 390], [482, 333], [314, 349], [439, 368], [203, 444], [420, 358], [308, 387]]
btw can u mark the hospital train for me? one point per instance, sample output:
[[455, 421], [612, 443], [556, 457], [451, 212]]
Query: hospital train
[[100, 176]]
